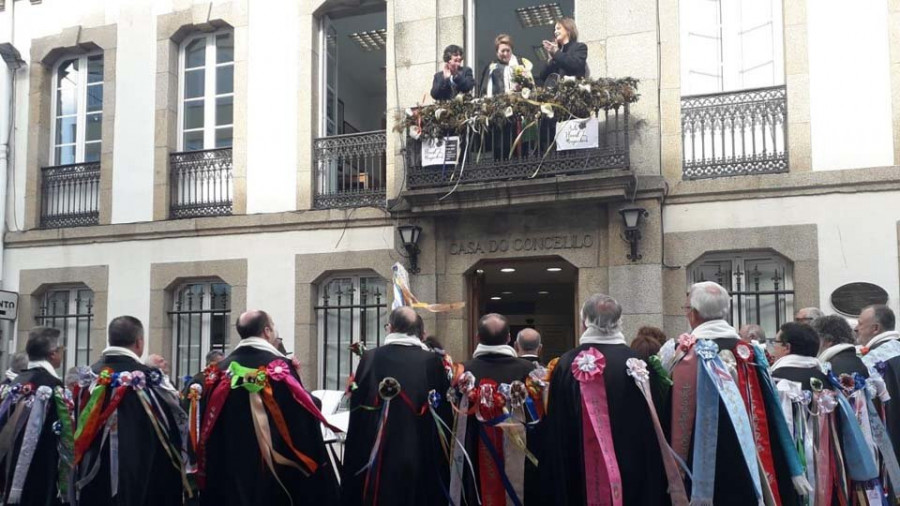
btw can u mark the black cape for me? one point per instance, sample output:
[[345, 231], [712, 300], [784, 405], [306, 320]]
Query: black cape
[[891, 374], [502, 369], [41, 481], [636, 447], [848, 362], [236, 473], [413, 467], [146, 474]]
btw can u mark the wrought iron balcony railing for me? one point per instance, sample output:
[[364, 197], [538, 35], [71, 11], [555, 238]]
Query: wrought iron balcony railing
[[200, 183], [496, 155], [735, 133], [70, 195], [350, 170]]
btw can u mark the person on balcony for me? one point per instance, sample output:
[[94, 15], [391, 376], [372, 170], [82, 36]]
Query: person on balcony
[[454, 78], [566, 56], [498, 76]]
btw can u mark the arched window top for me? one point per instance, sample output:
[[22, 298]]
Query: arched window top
[[77, 109]]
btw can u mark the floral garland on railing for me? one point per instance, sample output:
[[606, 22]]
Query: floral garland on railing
[[570, 99]]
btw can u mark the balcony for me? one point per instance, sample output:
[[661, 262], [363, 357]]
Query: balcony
[[200, 183], [350, 170], [70, 195], [735, 133]]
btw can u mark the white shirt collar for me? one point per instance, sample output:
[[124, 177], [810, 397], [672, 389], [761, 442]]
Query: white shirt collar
[[800, 361], [396, 338], [43, 364], [259, 344], [593, 335], [118, 351], [715, 329], [828, 353], [500, 349], [529, 355]]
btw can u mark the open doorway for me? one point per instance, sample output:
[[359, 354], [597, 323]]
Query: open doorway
[[534, 292]]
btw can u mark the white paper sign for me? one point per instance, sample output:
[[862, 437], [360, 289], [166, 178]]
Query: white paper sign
[[577, 134], [9, 305], [440, 152]]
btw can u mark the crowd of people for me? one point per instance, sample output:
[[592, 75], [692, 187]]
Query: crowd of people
[[566, 57], [716, 416]]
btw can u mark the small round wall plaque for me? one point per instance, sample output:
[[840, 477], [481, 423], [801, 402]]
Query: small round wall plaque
[[851, 298]]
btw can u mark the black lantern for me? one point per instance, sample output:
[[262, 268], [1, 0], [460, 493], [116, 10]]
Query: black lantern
[[631, 216], [409, 236]]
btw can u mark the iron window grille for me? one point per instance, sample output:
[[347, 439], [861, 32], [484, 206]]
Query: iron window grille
[[351, 170], [761, 286], [351, 309], [71, 311], [200, 321]]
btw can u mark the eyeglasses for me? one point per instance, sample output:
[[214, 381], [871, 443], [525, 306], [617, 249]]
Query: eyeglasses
[[782, 343]]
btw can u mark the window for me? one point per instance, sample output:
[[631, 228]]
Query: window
[[206, 92], [200, 321], [77, 109], [761, 285], [730, 45], [350, 309], [70, 309]]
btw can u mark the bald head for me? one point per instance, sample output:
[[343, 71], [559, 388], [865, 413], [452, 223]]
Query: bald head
[[403, 320], [528, 342], [493, 329], [256, 323]]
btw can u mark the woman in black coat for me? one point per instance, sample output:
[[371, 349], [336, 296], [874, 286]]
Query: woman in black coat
[[568, 57]]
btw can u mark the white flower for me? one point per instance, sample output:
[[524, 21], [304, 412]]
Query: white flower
[[459, 97], [508, 112], [547, 109], [526, 92], [415, 132], [585, 87], [438, 113], [586, 362], [409, 112], [569, 78]]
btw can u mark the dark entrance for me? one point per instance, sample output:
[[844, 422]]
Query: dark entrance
[[533, 292]]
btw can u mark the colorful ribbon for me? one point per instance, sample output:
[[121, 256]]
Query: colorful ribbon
[[684, 397], [278, 370], [603, 483], [33, 430], [66, 445]]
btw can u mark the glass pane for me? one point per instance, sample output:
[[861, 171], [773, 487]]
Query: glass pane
[[193, 141], [221, 296], [373, 311], [223, 137], [95, 98], [193, 114], [224, 79], [194, 83], [224, 111], [67, 75], [65, 155], [92, 152], [66, 129], [224, 48], [195, 53], [66, 101], [93, 126], [95, 69]]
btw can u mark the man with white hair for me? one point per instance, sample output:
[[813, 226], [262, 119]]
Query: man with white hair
[[589, 459], [876, 332], [807, 315], [710, 426]]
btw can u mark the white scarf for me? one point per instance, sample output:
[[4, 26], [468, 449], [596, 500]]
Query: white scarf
[[507, 76], [118, 351], [884, 336], [259, 343], [43, 364], [593, 335], [10, 375], [500, 349], [399, 339], [715, 329], [800, 361], [828, 353]]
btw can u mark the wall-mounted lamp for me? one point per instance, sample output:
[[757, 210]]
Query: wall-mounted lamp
[[409, 236], [631, 216]]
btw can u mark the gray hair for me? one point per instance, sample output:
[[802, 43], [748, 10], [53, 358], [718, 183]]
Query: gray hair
[[754, 331], [710, 300], [42, 341], [811, 313], [526, 342], [19, 362], [214, 355], [71, 376], [834, 328], [884, 316], [602, 313]]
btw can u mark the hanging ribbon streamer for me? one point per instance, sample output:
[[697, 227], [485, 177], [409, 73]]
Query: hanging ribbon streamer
[[825, 475], [66, 445], [883, 442], [114, 454], [264, 441], [195, 391], [281, 424], [29, 442], [637, 369], [88, 421], [465, 383], [214, 405], [684, 397], [603, 482], [388, 388], [278, 370], [403, 296]]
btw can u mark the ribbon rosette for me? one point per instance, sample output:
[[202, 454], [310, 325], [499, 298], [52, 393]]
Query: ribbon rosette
[[881, 367], [685, 341], [466, 382], [517, 394], [277, 370], [125, 378], [388, 388], [154, 377], [488, 399], [707, 349], [26, 390], [637, 369], [434, 399], [138, 380], [826, 401], [44, 392], [588, 365], [743, 352], [195, 391], [105, 377], [85, 376], [358, 348], [211, 375]]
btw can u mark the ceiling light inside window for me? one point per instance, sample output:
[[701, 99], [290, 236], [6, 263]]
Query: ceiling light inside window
[[495, 298], [507, 269], [539, 15], [554, 269], [370, 41], [543, 292], [505, 293]]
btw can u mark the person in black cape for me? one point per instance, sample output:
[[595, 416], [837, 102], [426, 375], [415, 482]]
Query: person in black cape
[[147, 474], [235, 471], [411, 467], [44, 354], [838, 346], [636, 446], [875, 329], [454, 78], [494, 359], [568, 57]]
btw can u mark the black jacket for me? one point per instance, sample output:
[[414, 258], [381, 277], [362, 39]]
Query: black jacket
[[848, 362], [570, 60], [446, 88]]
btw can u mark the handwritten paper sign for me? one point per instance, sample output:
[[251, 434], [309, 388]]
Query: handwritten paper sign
[[577, 134], [440, 151]]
